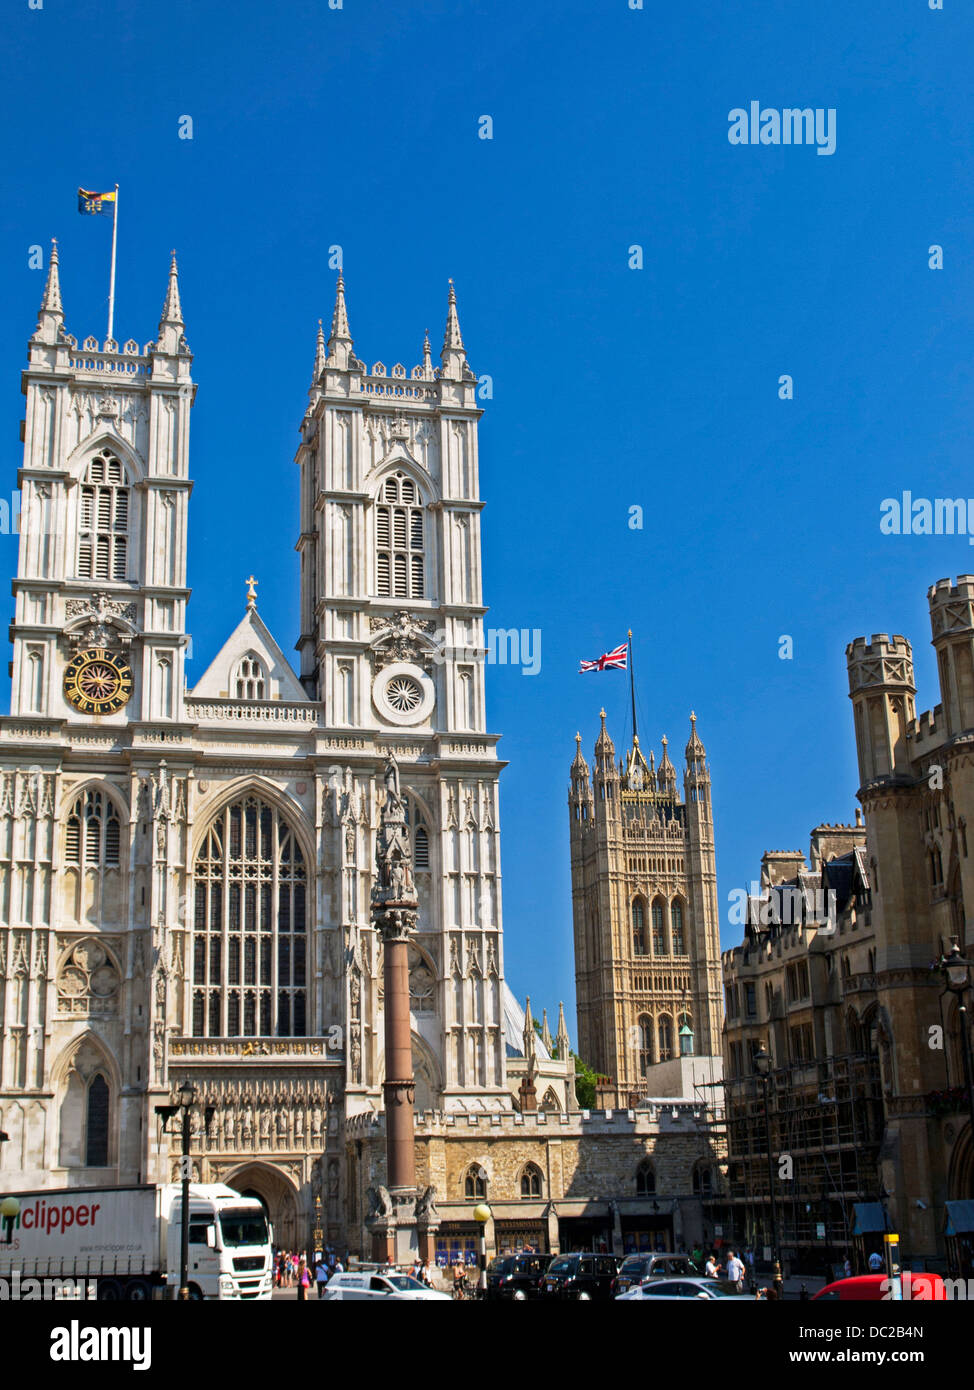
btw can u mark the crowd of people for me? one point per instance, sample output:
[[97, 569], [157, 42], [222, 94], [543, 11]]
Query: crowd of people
[[292, 1270]]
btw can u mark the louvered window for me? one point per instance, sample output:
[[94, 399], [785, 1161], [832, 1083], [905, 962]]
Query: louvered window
[[93, 833], [400, 540], [103, 521]]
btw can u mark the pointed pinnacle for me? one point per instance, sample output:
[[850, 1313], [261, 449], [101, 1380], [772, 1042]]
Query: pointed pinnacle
[[172, 311], [319, 355], [51, 303], [339, 320], [452, 340]]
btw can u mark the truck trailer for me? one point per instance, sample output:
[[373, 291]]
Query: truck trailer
[[125, 1242]]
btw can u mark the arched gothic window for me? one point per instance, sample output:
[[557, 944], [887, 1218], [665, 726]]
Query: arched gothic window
[[638, 927], [420, 835], [676, 922], [475, 1183], [249, 679], [250, 941], [664, 1030], [703, 1180], [646, 1179], [103, 520], [659, 929], [645, 1044], [92, 836], [96, 1123], [531, 1181], [399, 540]]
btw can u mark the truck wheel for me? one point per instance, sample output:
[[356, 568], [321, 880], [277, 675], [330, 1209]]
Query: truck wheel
[[138, 1291], [195, 1294], [109, 1290]]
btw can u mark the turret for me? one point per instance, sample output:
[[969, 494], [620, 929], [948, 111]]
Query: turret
[[952, 623], [50, 320], [562, 1042], [580, 788], [882, 691], [666, 776], [453, 356], [340, 339]]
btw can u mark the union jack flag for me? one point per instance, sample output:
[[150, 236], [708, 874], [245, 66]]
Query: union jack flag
[[616, 660]]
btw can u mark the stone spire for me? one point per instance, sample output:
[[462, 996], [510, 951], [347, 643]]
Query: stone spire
[[51, 318], [695, 748], [604, 747], [562, 1042], [546, 1031], [666, 778], [428, 373], [530, 1048], [319, 366], [579, 765], [340, 339], [453, 357], [527, 1091], [172, 312]]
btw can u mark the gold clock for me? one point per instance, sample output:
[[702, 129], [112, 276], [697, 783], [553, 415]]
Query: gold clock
[[97, 681]]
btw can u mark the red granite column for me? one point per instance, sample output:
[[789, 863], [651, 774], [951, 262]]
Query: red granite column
[[398, 1089]]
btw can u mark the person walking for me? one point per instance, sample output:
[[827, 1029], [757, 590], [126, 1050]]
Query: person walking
[[304, 1280], [321, 1278], [711, 1268], [735, 1271]]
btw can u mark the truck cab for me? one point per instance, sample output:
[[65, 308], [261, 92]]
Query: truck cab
[[229, 1243]]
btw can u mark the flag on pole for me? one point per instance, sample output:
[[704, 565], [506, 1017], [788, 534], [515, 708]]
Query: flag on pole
[[96, 203], [616, 660]]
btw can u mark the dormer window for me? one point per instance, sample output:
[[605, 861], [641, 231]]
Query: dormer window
[[250, 679]]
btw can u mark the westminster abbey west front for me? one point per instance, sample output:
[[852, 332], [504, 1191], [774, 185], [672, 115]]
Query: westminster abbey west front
[[186, 874]]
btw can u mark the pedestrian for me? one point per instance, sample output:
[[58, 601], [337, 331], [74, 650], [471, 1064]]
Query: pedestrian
[[711, 1268], [425, 1277], [876, 1263], [847, 1267], [304, 1280], [735, 1271], [321, 1277]]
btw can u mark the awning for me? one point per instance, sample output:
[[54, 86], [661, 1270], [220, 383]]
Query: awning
[[959, 1218], [868, 1218]]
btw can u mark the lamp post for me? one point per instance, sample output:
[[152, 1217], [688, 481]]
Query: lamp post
[[9, 1211], [482, 1214], [762, 1066], [187, 1094], [956, 972]]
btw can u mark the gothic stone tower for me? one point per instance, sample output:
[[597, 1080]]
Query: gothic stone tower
[[644, 896], [917, 792], [392, 646]]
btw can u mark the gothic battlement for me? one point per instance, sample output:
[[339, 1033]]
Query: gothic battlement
[[944, 591], [884, 660]]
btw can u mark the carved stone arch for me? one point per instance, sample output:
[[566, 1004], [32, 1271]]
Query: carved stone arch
[[423, 980], [878, 1037], [294, 813], [88, 977], [399, 461], [85, 1064], [530, 1182], [423, 803], [279, 1195], [105, 441], [550, 1103], [960, 1170], [98, 784]]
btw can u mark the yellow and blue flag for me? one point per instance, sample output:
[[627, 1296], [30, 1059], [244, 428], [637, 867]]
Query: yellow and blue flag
[[94, 203]]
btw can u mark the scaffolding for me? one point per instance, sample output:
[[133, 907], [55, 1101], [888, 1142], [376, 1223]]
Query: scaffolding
[[826, 1124]]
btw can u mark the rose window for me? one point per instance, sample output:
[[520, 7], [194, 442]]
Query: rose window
[[403, 694]]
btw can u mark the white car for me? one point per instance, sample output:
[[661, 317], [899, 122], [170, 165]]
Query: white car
[[395, 1287], [669, 1289]]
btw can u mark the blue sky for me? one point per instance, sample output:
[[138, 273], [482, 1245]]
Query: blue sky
[[613, 387]]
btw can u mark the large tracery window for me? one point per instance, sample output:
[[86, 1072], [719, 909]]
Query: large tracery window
[[399, 557], [250, 943], [249, 678], [103, 520]]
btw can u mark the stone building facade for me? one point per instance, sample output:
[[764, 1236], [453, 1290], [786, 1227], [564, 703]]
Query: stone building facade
[[802, 984], [186, 874], [644, 901]]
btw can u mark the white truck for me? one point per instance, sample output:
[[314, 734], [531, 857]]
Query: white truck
[[124, 1243]]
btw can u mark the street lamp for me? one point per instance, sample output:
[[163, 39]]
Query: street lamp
[[9, 1211], [762, 1066], [186, 1098], [482, 1214], [956, 972]]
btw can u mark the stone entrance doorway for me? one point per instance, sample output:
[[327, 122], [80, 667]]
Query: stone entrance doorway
[[279, 1198]]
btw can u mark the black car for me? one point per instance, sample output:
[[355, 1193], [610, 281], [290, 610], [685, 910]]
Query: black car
[[516, 1277], [637, 1269], [581, 1276]]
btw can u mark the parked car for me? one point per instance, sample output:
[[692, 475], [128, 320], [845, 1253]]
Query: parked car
[[669, 1289], [874, 1288], [637, 1269], [392, 1287], [581, 1276], [516, 1277]]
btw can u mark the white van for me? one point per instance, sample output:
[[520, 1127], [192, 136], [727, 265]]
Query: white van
[[368, 1284]]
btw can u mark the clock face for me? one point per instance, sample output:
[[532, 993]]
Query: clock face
[[97, 681]]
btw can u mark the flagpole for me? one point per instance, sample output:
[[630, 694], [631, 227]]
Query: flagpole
[[632, 694], [111, 282]]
